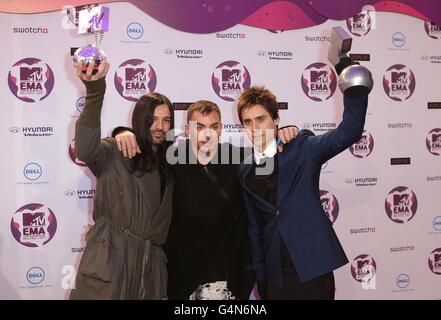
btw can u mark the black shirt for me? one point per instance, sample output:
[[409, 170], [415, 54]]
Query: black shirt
[[208, 238]]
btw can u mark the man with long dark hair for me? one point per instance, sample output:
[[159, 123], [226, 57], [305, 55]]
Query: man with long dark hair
[[124, 258]]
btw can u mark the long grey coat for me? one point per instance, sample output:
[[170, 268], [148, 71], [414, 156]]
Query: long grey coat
[[123, 257]]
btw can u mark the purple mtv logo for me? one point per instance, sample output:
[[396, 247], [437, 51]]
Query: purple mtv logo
[[432, 30], [360, 24], [135, 74], [436, 137], [363, 147], [231, 75], [31, 74], [31, 219], [359, 19], [33, 225], [399, 82], [319, 76], [435, 261], [399, 77], [401, 199], [401, 204], [229, 79], [433, 141], [329, 204], [363, 268], [31, 80], [318, 81]]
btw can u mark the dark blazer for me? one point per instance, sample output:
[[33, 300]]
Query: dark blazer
[[298, 218]]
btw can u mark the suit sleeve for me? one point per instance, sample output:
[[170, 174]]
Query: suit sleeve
[[324, 147]]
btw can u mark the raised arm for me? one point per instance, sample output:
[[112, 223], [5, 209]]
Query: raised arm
[[88, 144], [324, 147]]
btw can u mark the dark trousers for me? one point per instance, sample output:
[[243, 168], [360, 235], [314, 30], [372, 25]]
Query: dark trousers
[[320, 288]]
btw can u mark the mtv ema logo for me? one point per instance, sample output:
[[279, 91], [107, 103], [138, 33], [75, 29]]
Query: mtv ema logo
[[432, 30], [433, 141], [229, 79], [73, 155], [318, 81], [363, 147], [33, 225], [401, 204], [399, 82], [31, 80], [435, 261], [360, 24], [330, 205], [363, 268], [135, 78]]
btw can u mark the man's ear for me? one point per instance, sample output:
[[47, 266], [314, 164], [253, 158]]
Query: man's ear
[[276, 121]]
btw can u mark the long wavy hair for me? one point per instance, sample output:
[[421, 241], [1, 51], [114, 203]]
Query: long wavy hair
[[142, 120]]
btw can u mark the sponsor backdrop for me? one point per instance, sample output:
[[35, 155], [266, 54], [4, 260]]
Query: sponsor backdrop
[[382, 194]]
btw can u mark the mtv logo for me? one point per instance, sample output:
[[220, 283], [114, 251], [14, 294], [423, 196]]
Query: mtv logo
[[135, 74], [363, 266], [434, 27], [33, 219], [93, 19], [436, 137], [360, 20], [401, 199], [399, 77], [363, 140], [326, 204], [31, 74], [319, 76], [231, 75]]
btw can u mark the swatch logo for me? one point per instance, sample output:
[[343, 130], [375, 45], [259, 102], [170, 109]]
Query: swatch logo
[[73, 155], [30, 30], [229, 79], [31, 80], [135, 78], [318, 81], [432, 30], [329, 204], [360, 24], [433, 141], [363, 147], [401, 204], [435, 261], [33, 225], [399, 82], [363, 268]]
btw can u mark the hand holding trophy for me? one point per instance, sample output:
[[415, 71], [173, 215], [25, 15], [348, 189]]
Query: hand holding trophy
[[93, 20], [355, 81]]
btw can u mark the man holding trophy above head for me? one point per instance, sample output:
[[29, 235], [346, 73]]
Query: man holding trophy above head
[[294, 247], [132, 210]]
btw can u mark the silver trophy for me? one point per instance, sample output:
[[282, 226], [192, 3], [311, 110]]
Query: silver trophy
[[354, 80], [92, 20]]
